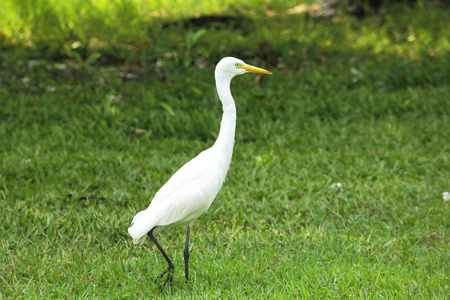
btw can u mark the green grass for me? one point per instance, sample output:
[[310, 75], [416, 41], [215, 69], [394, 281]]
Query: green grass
[[144, 31], [87, 140]]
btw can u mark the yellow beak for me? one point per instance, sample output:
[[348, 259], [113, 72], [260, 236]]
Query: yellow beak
[[253, 69]]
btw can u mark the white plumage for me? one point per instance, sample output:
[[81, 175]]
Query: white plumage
[[192, 189], [187, 194]]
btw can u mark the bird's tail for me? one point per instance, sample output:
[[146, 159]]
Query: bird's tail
[[140, 225]]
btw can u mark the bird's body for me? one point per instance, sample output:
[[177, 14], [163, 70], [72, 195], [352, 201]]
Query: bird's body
[[187, 195], [192, 189]]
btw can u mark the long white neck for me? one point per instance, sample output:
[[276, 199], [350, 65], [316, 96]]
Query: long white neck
[[225, 140]]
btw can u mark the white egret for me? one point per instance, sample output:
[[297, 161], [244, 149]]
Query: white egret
[[192, 189]]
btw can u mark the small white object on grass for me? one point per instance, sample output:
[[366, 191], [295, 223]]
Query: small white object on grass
[[336, 185], [192, 189], [446, 196]]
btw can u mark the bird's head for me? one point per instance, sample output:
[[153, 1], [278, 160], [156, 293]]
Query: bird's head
[[230, 67]]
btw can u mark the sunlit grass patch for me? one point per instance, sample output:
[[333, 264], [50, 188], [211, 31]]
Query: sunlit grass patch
[[138, 30]]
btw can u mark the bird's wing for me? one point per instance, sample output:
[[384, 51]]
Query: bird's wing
[[189, 192], [184, 197]]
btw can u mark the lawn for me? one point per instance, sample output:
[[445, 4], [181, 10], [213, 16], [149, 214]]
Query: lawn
[[93, 122]]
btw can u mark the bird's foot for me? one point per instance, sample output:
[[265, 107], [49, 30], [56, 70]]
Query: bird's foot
[[161, 276], [169, 278], [188, 281]]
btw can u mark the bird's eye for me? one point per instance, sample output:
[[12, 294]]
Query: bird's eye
[[237, 65]]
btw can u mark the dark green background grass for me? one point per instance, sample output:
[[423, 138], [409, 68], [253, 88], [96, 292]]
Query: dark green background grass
[[85, 145]]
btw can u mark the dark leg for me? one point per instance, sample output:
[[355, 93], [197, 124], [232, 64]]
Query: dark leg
[[171, 266], [186, 254]]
